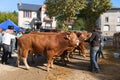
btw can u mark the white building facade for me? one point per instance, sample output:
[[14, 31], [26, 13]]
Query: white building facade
[[110, 22], [32, 16]]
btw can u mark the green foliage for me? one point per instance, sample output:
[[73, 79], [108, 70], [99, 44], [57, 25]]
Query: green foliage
[[92, 12], [89, 10], [64, 9], [79, 24], [62, 28], [9, 15], [60, 24]]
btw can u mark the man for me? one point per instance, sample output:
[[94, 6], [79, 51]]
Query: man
[[94, 42], [0, 38], [100, 51], [13, 41], [6, 40]]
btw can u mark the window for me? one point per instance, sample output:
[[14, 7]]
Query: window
[[118, 19], [118, 28], [27, 14], [48, 26], [27, 25], [106, 28], [106, 19]]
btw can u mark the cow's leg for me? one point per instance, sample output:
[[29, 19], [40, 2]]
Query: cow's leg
[[50, 59], [69, 54], [51, 65], [18, 59], [25, 55], [83, 51], [26, 64], [79, 52], [63, 56]]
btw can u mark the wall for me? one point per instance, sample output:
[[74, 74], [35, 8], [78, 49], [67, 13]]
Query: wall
[[22, 21], [112, 15]]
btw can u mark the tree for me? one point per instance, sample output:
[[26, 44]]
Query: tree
[[9, 15], [2, 17], [79, 24], [92, 12], [64, 10], [89, 10]]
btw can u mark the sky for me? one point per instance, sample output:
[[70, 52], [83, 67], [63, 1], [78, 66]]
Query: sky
[[11, 5]]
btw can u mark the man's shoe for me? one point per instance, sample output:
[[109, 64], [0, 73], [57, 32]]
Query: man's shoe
[[97, 70], [3, 62], [91, 70], [7, 63], [11, 57]]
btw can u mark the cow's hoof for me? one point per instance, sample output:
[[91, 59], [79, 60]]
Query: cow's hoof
[[48, 70], [17, 65], [84, 56], [45, 65], [69, 60], [28, 68], [52, 66]]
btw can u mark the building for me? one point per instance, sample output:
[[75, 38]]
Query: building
[[110, 22], [32, 16]]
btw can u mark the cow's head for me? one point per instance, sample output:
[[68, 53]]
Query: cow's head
[[83, 35], [73, 39]]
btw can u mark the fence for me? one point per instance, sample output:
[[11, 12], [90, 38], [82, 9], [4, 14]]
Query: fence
[[109, 41], [116, 40]]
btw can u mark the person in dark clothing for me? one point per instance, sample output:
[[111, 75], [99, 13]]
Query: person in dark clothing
[[0, 39], [94, 42], [100, 51], [13, 41]]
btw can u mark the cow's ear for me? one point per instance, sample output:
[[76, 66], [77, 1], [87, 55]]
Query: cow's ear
[[78, 34], [67, 37]]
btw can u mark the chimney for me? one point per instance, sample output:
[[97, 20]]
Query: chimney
[[20, 2]]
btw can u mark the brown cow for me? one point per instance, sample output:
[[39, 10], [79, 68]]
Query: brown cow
[[82, 45], [49, 44], [82, 36]]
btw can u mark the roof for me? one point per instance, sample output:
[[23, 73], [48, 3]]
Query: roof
[[115, 8], [31, 7]]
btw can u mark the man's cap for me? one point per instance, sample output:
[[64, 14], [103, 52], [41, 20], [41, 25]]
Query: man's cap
[[11, 27]]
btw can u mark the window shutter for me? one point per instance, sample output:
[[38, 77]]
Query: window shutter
[[30, 14], [23, 14]]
